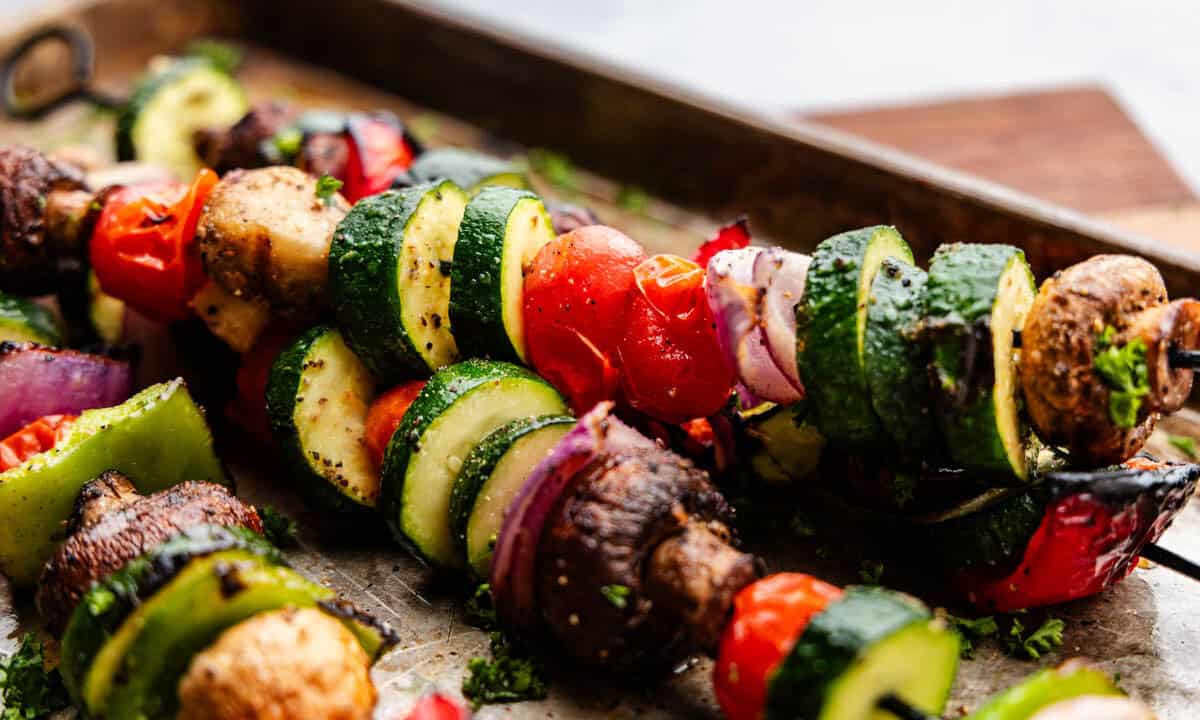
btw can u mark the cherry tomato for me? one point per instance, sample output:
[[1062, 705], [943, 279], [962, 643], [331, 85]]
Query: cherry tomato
[[385, 415], [143, 249], [248, 409], [437, 706], [671, 366], [35, 438], [734, 236], [379, 152], [768, 617], [576, 290]]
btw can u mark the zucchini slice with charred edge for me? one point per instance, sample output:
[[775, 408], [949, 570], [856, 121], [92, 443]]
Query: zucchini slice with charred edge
[[318, 394], [990, 530], [135, 673], [977, 295], [831, 323], [491, 476], [869, 643], [110, 601], [502, 229], [1043, 689], [894, 362], [389, 266], [457, 408], [466, 168], [22, 320], [169, 105]]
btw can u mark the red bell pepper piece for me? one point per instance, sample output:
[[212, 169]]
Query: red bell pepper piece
[[34, 439], [379, 153], [436, 706], [734, 236]]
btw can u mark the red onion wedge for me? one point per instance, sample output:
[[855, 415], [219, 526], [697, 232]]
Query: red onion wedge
[[514, 563], [779, 276], [734, 301], [37, 381]]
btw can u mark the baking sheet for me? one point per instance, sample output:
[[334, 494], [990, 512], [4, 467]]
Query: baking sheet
[[1144, 630]]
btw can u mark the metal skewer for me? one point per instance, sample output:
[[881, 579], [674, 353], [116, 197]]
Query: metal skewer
[[1170, 560]]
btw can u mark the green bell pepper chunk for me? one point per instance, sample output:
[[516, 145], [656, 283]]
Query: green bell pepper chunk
[[1043, 689]]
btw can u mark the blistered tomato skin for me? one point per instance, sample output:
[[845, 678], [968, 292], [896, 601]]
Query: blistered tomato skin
[[576, 290], [1086, 543], [672, 368], [768, 616]]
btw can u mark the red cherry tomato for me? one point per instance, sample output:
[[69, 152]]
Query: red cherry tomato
[[378, 154], [437, 706], [248, 409], [385, 415], [143, 249], [768, 617], [34, 439], [576, 290], [671, 366]]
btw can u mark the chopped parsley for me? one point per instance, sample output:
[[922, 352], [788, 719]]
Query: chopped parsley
[[280, 529], [224, 56], [1123, 370], [870, 571], [632, 198], [27, 689], [509, 676], [1032, 646], [478, 608], [327, 187], [554, 168], [618, 595], [1184, 444], [971, 630]]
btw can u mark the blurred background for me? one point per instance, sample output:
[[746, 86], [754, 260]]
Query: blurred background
[[1092, 105]]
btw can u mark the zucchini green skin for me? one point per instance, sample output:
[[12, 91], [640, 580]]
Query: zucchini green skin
[[478, 467], [135, 673], [150, 85], [994, 536], [838, 647], [285, 390], [1046, 688], [440, 393], [830, 326], [110, 601], [24, 321], [480, 274], [467, 169], [365, 274], [895, 362], [784, 446], [961, 300], [158, 437]]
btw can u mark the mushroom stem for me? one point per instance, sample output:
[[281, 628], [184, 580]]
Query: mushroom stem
[[695, 573]]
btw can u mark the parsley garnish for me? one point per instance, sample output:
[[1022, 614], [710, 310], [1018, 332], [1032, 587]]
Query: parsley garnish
[[971, 630], [1123, 370], [870, 571], [28, 690], [632, 198], [1047, 637], [507, 677], [1183, 444], [555, 168], [223, 56], [479, 610], [327, 187], [618, 595], [280, 529]]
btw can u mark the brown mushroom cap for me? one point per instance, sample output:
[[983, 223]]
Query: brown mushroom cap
[[1067, 401], [113, 525], [29, 263], [241, 145], [635, 564], [283, 664]]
